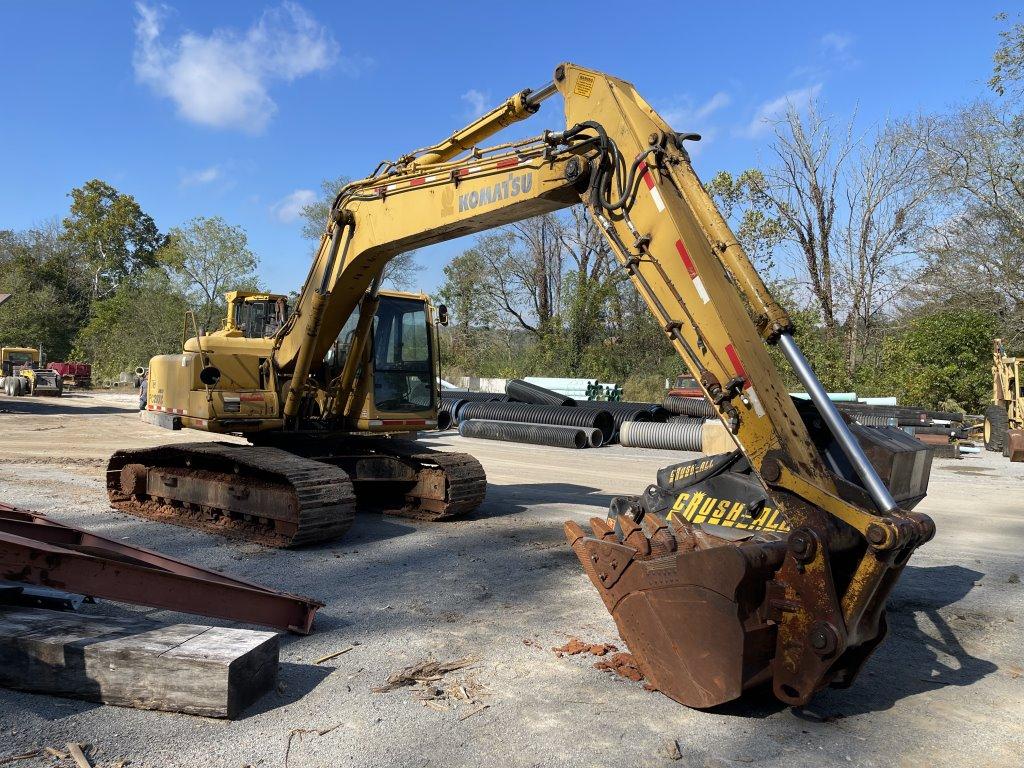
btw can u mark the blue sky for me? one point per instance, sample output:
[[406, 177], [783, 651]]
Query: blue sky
[[240, 109]]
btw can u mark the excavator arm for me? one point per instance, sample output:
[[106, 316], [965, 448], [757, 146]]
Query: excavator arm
[[706, 618]]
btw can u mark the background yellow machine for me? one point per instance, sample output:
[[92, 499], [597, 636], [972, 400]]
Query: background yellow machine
[[22, 373], [707, 612], [1006, 414]]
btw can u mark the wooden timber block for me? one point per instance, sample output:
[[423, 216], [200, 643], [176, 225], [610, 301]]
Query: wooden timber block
[[716, 438], [192, 668]]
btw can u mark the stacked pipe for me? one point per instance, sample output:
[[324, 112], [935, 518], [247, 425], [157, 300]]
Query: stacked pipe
[[534, 434], [623, 411], [577, 389], [690, 406], [447, 410], [677, 436], [525, 392], [553, 415], [532, 413]]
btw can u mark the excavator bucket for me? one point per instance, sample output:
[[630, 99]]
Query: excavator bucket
[[695, 574], [691, 608]]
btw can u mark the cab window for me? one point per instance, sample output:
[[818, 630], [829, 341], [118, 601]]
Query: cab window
[[403, 368]]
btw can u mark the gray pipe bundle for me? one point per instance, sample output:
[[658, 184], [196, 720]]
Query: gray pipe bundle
[[524, 413], [535, 434], [690, 406], [525, 392], [677, 436]]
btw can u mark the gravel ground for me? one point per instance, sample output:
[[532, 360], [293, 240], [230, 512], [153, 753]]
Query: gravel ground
[[502, 587]]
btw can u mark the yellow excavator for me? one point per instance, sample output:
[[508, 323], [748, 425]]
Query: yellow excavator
[[1004, 418], [710, 601]]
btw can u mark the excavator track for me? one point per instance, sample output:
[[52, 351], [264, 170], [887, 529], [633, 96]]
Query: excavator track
[[398, 477], [262, 494], [457, 478]]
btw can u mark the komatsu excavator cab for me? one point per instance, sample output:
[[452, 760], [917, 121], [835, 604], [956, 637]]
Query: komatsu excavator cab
[[225, 382], [402, 350]]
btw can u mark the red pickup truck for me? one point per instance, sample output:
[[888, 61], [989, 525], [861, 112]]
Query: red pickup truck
[[686, 386]]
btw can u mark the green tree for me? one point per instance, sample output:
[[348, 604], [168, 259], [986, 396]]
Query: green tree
[[143, 317], [749, 214], [50, 291], [208, 257], [1008, 61], [111, 234], [400, 273], [942, 356]]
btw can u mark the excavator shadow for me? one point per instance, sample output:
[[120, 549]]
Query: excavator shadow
[[58, 406], [922, 653], [515, 498]]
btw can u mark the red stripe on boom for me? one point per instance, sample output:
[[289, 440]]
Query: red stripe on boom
[[737, 365], [417, 182], [687, 261], [508, 162], [648, 180]]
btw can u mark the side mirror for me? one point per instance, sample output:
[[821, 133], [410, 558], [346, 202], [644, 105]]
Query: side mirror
[[210, 375], [442, 314]]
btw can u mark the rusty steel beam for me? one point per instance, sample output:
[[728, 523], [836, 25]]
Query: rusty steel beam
[[37, 550]]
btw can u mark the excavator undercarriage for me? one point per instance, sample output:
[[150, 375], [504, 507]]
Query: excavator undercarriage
[[292, 492]]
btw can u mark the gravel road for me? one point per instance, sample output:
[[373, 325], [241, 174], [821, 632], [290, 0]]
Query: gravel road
[[947, 688]]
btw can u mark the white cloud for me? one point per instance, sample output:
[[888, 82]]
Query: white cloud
[[835, 42], [477, 101], [837, 49], [222, 79], [202, 176], [289, 208], [771, 111], [683, 115]]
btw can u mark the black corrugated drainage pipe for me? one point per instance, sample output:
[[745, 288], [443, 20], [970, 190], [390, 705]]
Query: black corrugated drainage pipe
[[535, 434], [540, 414]]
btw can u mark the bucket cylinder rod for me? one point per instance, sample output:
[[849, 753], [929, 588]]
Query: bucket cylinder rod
[[861, 464]]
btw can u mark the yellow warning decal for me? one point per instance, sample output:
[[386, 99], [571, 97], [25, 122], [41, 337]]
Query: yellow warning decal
[[584, 85], [698, 508]]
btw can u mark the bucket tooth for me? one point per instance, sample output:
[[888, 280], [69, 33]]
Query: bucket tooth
[[632, 535], [602, 530], [662, 540]]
